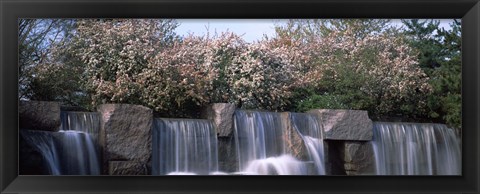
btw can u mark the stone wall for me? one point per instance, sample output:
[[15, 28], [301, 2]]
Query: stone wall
[[358, 158], [345, 124], [126, 138], [221, 114], [127, 168], [39, 115], [347, 135], [126, 135], [294, 144], [35, 115]]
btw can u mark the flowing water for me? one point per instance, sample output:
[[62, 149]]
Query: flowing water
[[261, 149], [78, 153], [189, 146], [72, 150], [258, 135], [281, 165], [184, 147], [43, 142], [87, 122], [416, 149], [309, 126]]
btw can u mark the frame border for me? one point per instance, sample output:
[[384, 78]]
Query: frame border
[[468, 10]]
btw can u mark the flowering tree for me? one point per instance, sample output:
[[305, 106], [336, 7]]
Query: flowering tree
[[353, 64], [263, 75], [179, 76], [358, 68], [116, 52]]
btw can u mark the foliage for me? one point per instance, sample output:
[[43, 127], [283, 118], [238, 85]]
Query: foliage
[[180, 76], [36, 40], [363, 66], [127, 62], [263, 75], [116, 53], [59, 80], [335, 64], [439, 55]]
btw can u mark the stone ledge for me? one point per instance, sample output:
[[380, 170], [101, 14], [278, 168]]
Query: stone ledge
[[39, 115], [127, 168], [221, 114], [345, 124], [125, 133]]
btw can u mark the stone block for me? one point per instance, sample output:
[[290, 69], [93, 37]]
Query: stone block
[[358, 158], [294, 143], [127, 168], [227, 155], [39, 115], [125, 133], [345, 124], [222, 116]]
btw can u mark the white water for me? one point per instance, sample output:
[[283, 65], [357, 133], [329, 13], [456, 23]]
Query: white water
[[87, 122], [181, 173], [44, 143], [184, 147], [78, 154], [416, 149], [258, 135], [316, 153], [70, 151], [79, 142], [309, 127], [261, 149], [281, 165]]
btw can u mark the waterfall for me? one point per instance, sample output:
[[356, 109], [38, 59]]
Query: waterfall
[[87, 122], [184, 147], [43, 142], [71, 150], [282, 165], [79, 142], [308, 125], [260, 145], [78, 154], [257, 136], [416, 149]]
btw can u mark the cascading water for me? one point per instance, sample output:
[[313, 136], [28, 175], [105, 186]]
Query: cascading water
[[87, 122], [184, 147], [416, 149], [281, 165], [71, 150], [260, 149], [308, 125], [78, 151], [78, 155], [43, 142]]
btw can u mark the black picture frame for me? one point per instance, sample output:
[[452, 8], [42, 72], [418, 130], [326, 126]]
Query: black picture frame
[[468, 10]]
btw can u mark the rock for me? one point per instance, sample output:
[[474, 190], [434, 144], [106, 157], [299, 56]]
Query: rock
[[127, 168], [125, 133], [294, 143], [227, 155], [345, 124], [39, 115], [358, 158], [222, 116]]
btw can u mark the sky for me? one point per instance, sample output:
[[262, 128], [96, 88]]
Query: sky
[[250, 29]]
